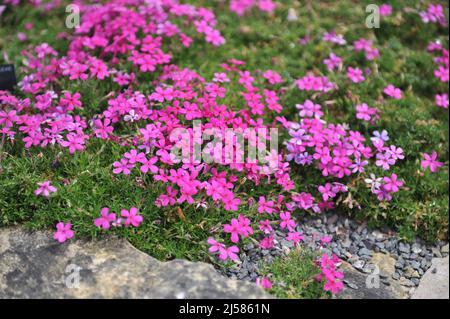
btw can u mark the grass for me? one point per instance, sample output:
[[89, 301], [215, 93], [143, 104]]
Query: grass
[[264, 42], [293, 276]]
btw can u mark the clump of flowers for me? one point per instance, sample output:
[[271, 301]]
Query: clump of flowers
[[331, 277], [240, 7]]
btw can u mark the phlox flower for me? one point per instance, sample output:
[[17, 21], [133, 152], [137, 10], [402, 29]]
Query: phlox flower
[[8, 118], [273, 77], [442, 100], [366, 113], [264, 282], [309, 109], [265, 206], [392, 184], [266, 243], [230, 252], [132, 217], [45, 188], [265, 227], [63, 232], [215, 246], [221, 78], [442, 73], [123, 167], [333, 62], [385, 10], [430, 161], [106, 219], [295, 237], [327, 191], [334, 38], [377, 136], [385, 160], [75, 142], [393, 92], [355, 74], [286, 221]]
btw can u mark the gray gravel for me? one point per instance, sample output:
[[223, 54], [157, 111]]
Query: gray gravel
[[352, 242]]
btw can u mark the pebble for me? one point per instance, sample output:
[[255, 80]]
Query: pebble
[[352, 241]]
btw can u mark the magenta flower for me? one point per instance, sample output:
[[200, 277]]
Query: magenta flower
[[45, 188], [392, 184], [333, 62], [132, 217], [123, 167], [385, 10], [431, 162], [63, 232], [215, 246], [264, 282], [442, 100], [286, 221], [355, 74], [267, 243], [230, 252], [393, 92], [106, 219], [74, 143], [265, 206]]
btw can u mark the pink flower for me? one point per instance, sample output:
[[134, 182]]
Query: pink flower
[[327, 191], [123, 167], [365, 113], [45, 188], [106, 219], [391, 184], [295, 237], [74, 142], [393, 92], [265, 227], [309, 109], [442, 73], [326, 240], [215, 245], [264, 282], [132, 217], [234, 228], [63, 232], [431, 162], [355, 74], [221, 78], [264, 206], [273, 77], [266, 243], [286, 221], [230, 252], [442, 100], [385, 10], [333, 62]]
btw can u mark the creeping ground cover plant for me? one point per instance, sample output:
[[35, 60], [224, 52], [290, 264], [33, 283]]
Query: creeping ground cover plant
[[192, 134]]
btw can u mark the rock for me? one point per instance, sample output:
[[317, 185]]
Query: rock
[[365, 252], [444, 249], [385, 263], [416, 249], [359, 264], [410, 272], [434, 285], [367, 289], [404, 248], [406, 282], [33, 265], [436, 252]]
